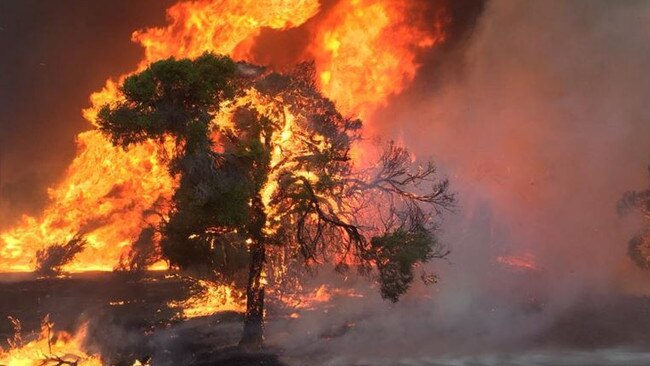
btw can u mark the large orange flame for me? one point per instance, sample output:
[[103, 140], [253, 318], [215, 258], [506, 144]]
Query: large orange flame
[[220, 26], [105, 194], [365, 52], [210, 298]]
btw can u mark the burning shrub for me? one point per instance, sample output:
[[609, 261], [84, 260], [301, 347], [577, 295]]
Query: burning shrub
[[50, 260], [208, 298], [50, 348]]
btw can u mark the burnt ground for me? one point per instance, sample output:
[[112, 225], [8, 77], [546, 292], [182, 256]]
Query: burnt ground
[[129, 319], [87, 296]]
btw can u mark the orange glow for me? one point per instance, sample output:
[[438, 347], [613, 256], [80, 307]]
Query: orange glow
[[220, 26], [365, 52], [50, 345], [105, 194], [525, 261], [311, 300], [210, 299]]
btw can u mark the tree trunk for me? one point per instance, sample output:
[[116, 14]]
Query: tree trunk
[[254, 317]]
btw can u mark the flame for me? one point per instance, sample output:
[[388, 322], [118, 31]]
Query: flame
[[220, 26], [365, 52], [50, 348], [106, 194], [302, 300], [288, 141], [210, 299], [524, 261]]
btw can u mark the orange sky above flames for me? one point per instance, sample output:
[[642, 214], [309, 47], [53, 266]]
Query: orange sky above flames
[[365, 52]]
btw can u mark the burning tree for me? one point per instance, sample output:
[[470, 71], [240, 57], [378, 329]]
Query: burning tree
[[263, 162], [639, 245]]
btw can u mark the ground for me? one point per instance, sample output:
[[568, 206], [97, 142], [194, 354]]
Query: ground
[[129, 318]]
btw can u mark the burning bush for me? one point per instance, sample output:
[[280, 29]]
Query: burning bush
[[50, 260], [208, 298]]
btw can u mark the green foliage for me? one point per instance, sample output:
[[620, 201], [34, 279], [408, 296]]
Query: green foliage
[[212, 197], [171, 97], [179, 98], [395, 254]]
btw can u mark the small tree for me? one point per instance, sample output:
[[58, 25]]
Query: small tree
[[264, 162], [639, 245]]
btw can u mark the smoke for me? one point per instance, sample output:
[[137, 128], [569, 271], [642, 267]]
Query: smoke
[[538, 114]]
